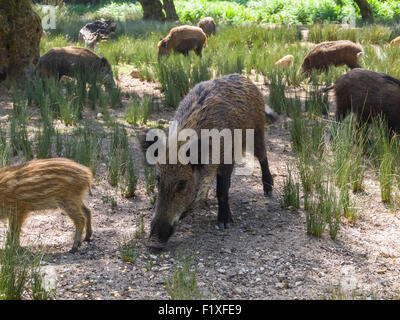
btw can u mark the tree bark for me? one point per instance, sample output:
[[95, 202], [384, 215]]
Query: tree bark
[[170, 10], [366, 10], [152, 10], [20, 33]]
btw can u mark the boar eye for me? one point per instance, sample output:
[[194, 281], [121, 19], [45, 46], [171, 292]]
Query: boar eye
[[181, 185]]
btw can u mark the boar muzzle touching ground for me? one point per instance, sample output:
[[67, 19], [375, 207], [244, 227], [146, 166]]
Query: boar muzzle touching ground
[[336, 53], [229, 102], [76, 62], [368, 94], [46, 184], [183, 39]]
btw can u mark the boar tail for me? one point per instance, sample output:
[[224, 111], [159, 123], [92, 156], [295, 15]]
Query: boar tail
[[326, 89], [271, 114]]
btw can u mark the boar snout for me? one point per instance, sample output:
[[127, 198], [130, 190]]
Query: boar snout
[[160, 231]]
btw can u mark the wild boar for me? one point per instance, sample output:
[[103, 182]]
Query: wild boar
[[368, 94], [285, 61], [75, 62], [46, 184], [395, 41], [208, 25], [182, 39], [229, 102], [337, 53]]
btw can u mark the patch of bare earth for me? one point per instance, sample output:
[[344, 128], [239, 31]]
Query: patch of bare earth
[[267, 254]]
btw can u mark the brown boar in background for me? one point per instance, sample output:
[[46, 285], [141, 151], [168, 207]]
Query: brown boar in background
[[368, 94], [183, 39], [46, 184], [74, 62], [208, 25], [336, 53]]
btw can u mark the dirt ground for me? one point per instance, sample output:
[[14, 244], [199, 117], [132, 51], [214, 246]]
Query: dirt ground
[[267, 253]]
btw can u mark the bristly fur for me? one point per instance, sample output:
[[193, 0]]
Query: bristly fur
[[183, 39], [44, 185], [229, 102], [336, 53], [368, 94], [73, 61], [208, 25]]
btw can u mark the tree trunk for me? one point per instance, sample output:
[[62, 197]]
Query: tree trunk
[[366, 10], [20, 33], [170, 10], [152, 10]]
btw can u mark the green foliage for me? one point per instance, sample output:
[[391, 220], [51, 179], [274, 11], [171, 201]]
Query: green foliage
[[183, 285], [291, 192], [20, 273]]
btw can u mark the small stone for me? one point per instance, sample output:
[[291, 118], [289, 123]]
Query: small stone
[[221, 270], [279, 285], [237, 290], [99, 116]]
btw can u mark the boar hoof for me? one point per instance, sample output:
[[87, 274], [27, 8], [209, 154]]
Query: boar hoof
[[73, 250], [268, 193], [224, 225]]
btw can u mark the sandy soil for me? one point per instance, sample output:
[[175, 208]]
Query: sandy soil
[[266, 255]]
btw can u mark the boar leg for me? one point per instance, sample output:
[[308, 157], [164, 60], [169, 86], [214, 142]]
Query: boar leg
[[223, 185], [15, 222], [261, 154], [74, 211], [199, 50], [267, 179], [88, 216]]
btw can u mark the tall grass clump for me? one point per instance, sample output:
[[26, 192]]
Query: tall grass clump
[[178, 74], [19, 139], [83, 146], [384, 158], [138, 111], [316, 105], [183, 284], [20, 273], [120, 166], [4, 150], [291, 191], [348, 142]]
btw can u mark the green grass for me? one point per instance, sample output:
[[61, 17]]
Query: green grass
[[235, 12], [128, 250], [183, 283], [20, 273], [291, 191]]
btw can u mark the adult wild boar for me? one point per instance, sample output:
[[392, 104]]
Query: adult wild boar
[[229, 102], [368, 94], [208, 25], [337, 53], [182, 39], [75, 62]]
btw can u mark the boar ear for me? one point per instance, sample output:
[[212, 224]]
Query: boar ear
[[164, 43]]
